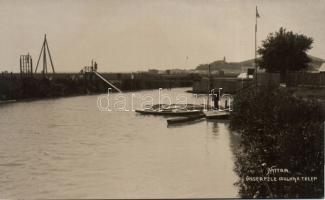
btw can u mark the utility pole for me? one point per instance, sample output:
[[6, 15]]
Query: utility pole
[[255, 52]]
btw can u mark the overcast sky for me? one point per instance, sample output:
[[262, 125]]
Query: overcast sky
[[133, 35]]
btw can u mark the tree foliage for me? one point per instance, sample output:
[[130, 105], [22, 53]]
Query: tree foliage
[[278, 129], [284, 51]]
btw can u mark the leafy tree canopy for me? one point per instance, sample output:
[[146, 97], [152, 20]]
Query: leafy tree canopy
[[284, 51]]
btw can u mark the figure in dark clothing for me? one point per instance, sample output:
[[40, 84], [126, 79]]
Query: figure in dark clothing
[[215, 99]]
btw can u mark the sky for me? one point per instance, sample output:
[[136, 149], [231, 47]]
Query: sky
[[135, 35]]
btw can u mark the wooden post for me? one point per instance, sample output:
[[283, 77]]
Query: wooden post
[[209, 80]]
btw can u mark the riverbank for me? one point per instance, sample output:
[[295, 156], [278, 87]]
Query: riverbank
[[282, 141], [60, 85]]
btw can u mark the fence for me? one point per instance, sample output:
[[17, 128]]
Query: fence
[[228, 85], [294, 79], [268, 78], [232, 85], [305, 79]]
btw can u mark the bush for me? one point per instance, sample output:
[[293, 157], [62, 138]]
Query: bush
[[278, 129]]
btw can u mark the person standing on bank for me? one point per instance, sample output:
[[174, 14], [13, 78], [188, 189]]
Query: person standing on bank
[[215, 99]]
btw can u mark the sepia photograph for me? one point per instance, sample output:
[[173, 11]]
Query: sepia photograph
[[162, 99]]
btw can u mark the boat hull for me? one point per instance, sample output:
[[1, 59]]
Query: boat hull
[[216, 114], [184, 119], [168, 113]]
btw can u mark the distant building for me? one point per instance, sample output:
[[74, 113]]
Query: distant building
[[249, 74], [244, 75], [179, 71], [322, 68], [153, 71]]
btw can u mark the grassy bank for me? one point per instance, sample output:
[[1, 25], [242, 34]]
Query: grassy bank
[[278, 131]]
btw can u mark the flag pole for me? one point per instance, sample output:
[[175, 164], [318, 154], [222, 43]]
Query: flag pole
[[255, 59]]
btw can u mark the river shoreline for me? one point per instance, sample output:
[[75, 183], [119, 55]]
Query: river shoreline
[[15, 87]]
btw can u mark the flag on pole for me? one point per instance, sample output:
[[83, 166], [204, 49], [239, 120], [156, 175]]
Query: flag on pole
[[257, 15]]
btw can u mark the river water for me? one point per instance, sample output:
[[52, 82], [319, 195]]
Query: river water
[[68, 148]]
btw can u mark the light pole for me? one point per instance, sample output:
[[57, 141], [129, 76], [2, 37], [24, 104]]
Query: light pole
[[219, 97]]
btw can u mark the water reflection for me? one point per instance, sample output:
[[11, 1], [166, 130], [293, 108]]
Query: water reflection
[[185, 123], [215, 129]]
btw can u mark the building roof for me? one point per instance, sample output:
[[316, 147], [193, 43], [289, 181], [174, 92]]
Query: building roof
[[322, 68], [244, 75]]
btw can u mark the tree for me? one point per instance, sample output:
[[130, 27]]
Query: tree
[[284, 51]]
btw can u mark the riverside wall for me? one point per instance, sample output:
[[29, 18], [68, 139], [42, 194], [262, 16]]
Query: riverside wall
[[18, 86]]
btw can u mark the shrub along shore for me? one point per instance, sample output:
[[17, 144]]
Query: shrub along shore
[[281, 152]]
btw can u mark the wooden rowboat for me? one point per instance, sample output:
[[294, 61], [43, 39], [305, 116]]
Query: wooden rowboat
[[169, 112], [177, 120], [215, 114]]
